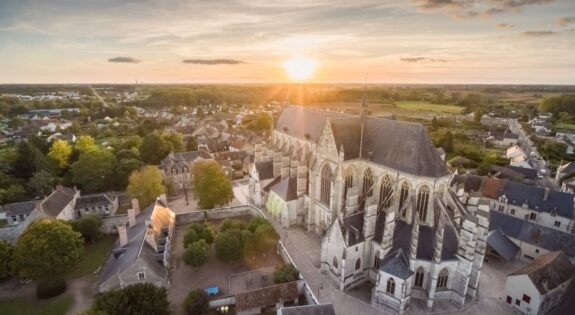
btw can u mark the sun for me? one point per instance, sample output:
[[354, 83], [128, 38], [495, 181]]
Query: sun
[[300, 68]]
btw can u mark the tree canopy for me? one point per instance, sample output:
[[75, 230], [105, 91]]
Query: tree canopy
[[211, 186], [154, 148], [6, 259], [60, 152], [47, 247], [196, 253], [145, 185], [135, 299], [93, 170]]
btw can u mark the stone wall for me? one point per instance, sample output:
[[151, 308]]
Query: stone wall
[[109, 223], [11, 233], [216, 214]]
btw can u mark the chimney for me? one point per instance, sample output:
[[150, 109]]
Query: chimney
[[131, 218], [163, 199], [136, 206], [546, 193], [122, 234]]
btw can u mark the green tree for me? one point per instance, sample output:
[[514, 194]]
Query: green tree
[[124, 168], [135, 299], [229, 245], [23, 164], [47, 247], [88, 226], [133, 141], [176, 139], [477, 115], [60, 153], [93, 170], [211, 186], [196, 303], [285, 273], [154, 148], [12, 193], [448, 142], [6, 259], [196, 232], [191, 144], [85, 144], [42, 183], [145, 185], [196, 254]]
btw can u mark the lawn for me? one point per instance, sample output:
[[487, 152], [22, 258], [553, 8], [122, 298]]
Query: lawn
[[94, 257], [22, 306], [564, 126], [426, 106]]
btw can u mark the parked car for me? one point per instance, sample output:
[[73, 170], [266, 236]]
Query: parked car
[[542, 172]]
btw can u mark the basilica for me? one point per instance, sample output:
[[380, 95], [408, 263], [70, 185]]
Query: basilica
[[379, 193]]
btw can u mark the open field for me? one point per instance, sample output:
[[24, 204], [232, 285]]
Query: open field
[[95, 255], [564, 126], [426, 106], [24, 306]]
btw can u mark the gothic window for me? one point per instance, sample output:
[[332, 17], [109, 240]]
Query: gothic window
[[390, 288], [419, 277], [403, 197], [348, 181], [386, 192], [422, 201], [326, 177], [335, 262], [376, 261], [358, 264], [367, 183], [442, 279]]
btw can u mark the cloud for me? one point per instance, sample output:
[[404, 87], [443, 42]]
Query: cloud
[[124, 60], [566, 21], [421, 59], [462, 9], [213, 61], [538, 33], [503, 25]]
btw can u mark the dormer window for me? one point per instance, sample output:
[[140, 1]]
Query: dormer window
[[142, 276]]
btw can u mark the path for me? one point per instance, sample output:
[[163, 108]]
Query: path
[[81, 291], [99, 97]]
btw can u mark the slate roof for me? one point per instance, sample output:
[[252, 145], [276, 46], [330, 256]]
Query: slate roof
[[318, 309], [379, 227], [400, 145], [266, 296], [547, 271], [402, 240], [469, 182], [20, 208], [92, 201], [286, 189], [230, 155], [512, 172], [538, 235], [502, 245], [185, 157], [518, 194], [55, 203], [265, 169], [567, 168], [353, 228], [299, 121], [396, 264]]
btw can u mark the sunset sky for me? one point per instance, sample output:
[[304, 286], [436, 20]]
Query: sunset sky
[[248, 41]]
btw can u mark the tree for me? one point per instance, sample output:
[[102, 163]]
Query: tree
[[229, 245], [145, 185], [85, 144], [154, 148], [88, 226], [60, 152], [196, 303], [47, 247], [196, 232], [192, 144], [196, 254], [211, 186], [124, 168], [477, 115], [93, 170], [42, 183], [135, 299], [23, 165], [176, 139], [133, 141], [285, 273], [448, 142], [6, 259], [12, 193]]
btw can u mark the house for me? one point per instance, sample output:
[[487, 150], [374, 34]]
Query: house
[[177, 168], [100, 204], [18, 212], [282, 202], [441, 153], [314, 309], [540, 286], [504, 139], [60, 203], [253, 302], [514, 173], [261, 176], [142, 254], [515, 152], [564, 170], [59, 136]]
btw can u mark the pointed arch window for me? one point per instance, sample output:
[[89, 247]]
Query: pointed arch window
[[419, 277], [404, 193], [367, 183], [385, 193], [348, 182], [335, 262], [422, 202], [326, 178], [443, 277], [390, 287], [358, 264]]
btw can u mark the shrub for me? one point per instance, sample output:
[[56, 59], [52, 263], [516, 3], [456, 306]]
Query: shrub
[[88, 226], [196, 254], [190, 237], [229, 245], [232, 224], [50, 287], [6, 257], [196, 303], [196, 232], [135, 299], [285, 273]]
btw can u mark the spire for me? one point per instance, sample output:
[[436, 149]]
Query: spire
[[363, 115]]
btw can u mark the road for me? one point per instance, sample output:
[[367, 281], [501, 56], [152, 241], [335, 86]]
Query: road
[[99, 97]]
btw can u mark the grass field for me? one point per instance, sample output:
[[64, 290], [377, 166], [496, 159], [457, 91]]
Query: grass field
[[564, 126], [94, 257], [426, 106], [55, 306]]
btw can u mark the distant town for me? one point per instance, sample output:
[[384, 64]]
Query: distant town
[[272, 199]]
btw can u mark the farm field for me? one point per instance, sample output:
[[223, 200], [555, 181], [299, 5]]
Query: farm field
[[426, 106], [564, 126]]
